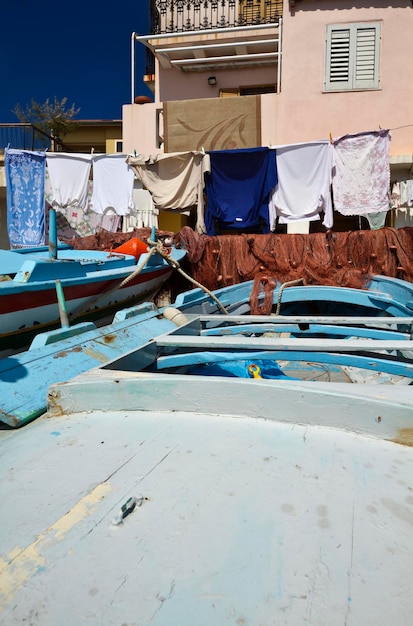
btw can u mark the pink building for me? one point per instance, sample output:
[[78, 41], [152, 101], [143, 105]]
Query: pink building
[[248, 73]]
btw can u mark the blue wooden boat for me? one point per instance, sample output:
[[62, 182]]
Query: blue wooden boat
[[148, 495], [60, 354], [90, 283], [383, 296]]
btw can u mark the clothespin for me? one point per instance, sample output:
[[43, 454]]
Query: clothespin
[[331, 138], [134, 153], [92, 150]]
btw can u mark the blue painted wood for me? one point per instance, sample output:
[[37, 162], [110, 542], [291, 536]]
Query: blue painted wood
[[374, 362], [91, 281], [313, 329], [62, 354], [391, 296], [134, 341]]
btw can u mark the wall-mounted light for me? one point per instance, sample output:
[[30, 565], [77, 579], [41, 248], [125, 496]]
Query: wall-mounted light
[[212, 81]]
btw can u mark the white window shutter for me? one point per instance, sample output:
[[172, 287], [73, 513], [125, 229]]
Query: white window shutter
[[338, 54], [352, 57], [366, 58]]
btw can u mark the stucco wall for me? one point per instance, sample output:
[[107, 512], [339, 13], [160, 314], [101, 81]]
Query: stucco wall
[[140, 128], [306, 113], [302, 111]]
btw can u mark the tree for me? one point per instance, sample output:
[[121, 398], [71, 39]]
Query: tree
[[53, 118]]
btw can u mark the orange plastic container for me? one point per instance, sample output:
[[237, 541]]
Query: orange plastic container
[[134, 246]]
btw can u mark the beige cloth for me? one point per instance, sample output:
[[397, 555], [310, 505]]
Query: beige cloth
[[175, 180]]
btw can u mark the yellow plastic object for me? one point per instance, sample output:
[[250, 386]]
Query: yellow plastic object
[[254, 370]]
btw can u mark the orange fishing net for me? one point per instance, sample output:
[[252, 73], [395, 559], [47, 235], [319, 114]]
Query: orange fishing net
[[105, 240], [345, 259]]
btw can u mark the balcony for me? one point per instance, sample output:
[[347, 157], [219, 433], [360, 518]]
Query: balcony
[[178, 16], [206, 35], [24, 137]]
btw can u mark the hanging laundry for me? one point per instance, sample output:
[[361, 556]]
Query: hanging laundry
[[406, 193], [238, 189], [376, 220], [73, 221], [175, 180], [25, 172], [112, 184], [305, 172], [68, 177], [395, 195], [403, 206], [361, 183], [145, 214]]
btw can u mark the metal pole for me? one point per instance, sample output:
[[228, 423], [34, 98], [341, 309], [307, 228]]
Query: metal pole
[[64, 319], [52, 234], [133, 67]]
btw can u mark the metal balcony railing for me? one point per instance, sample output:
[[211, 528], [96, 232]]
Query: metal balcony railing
[[177, 16], [174, 16], [27, 137]]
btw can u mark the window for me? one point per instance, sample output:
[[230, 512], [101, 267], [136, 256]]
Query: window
[[247, 91], [352, 57]]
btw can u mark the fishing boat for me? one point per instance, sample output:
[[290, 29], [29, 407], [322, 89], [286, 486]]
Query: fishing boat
[[275, 345], [382, 296], [155, 495], [37, 287]]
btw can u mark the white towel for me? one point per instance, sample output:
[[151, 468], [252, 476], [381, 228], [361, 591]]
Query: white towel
[[68, 177], [112, 184], [304, 178]]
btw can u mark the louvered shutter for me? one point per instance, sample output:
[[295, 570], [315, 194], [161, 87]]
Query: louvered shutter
[[338, 54], [352, 57], [366, 58]]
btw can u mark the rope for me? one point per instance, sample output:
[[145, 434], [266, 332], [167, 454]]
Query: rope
[[113, 288], [281, 289], [160, 249], [156, 248]]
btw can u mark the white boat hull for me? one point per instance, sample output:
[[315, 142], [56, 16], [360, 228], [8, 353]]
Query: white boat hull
[[272, 510]]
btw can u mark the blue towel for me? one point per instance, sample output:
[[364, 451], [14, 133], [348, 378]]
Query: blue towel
[[238, 189], [25, 173]]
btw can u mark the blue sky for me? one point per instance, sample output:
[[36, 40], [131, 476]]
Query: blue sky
[[78, 49]]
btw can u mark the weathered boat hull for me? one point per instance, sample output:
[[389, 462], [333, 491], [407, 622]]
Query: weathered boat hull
[[92, 283], [256, 502], [61, 354]]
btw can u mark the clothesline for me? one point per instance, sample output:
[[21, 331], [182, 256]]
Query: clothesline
[[283, 183]]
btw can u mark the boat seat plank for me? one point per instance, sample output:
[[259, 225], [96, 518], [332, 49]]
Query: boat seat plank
[[299, 329], [378, 364], [270, 343]]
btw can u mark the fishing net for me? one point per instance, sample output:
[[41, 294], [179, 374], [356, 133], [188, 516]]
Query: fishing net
[[346, 259], [106, 240]]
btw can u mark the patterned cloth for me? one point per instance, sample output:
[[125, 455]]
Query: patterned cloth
[[73, 221], [25, 173], [362, 179]]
